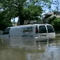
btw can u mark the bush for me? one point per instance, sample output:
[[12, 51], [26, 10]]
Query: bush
[[56, 24]]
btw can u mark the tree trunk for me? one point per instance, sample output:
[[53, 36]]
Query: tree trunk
[[21, 20]]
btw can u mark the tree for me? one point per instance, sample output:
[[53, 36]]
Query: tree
[[46, 4], [14, 8], [4, 23], [32, 12], [56, 24], [52, 19]]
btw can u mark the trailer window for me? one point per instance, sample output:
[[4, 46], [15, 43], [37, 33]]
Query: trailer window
[[42, 29], [50, 29]]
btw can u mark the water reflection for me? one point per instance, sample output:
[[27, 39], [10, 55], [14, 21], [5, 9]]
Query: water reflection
[[38, 52], [51, 52]]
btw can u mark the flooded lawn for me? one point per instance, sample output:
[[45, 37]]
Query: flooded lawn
[[43, 51]]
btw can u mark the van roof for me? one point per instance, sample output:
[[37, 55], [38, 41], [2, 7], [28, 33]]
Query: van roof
[[39, 24], [28, 25]]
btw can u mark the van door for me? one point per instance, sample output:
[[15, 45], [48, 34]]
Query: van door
[[42, 32]]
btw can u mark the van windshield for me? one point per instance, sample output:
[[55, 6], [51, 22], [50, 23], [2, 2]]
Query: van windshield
[[6, 31], [50, 29], [42, 29]]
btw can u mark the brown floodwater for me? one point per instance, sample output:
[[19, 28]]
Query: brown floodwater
[[42, 51]]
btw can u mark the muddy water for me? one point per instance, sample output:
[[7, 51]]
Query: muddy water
[[43, 51]]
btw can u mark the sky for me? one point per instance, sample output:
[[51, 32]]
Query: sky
[[53, 7], [56, 3]]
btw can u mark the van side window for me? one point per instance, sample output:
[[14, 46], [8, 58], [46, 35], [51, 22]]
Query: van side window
[[50, 29], [42, 29]]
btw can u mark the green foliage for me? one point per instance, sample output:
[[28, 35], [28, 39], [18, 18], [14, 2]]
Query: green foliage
[[12, 8], [4, 22], [52, 19], [35, 10], [32, 12], [46, 3], [56, 22]]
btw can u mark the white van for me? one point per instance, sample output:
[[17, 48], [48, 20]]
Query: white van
[[32, 32]]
